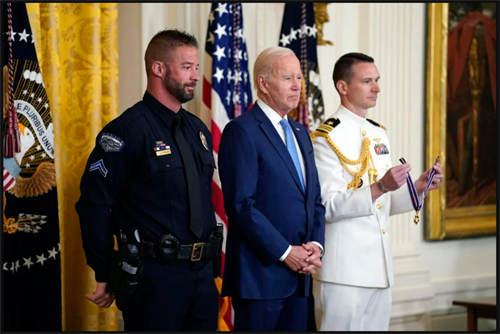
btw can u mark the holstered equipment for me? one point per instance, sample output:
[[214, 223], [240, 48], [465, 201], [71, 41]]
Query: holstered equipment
[[124, 272], [217, 261]]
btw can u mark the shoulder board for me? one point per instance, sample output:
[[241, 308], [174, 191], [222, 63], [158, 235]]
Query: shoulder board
[[328, 125], [376, 124]]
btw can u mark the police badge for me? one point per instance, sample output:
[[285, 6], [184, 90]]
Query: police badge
[[203, 140]]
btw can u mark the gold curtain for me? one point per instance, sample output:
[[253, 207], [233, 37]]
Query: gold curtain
[[77, 48]]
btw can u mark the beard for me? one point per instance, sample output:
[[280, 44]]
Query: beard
[[176, 89]]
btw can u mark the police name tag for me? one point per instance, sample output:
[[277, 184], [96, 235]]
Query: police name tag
[[161, 149]]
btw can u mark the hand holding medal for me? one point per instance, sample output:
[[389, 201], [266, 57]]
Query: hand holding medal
[[434, 178]]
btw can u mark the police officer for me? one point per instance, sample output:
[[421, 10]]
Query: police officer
[[360, 190], [148, 181]]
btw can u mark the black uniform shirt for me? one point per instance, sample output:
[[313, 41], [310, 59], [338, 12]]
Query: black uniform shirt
[[127, 184]]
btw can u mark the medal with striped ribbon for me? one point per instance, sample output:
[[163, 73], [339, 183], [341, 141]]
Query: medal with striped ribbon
[[413, 191]]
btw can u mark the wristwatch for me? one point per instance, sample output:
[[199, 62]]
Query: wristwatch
[[381, 187]]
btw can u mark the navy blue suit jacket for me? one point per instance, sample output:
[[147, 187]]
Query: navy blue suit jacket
[[266, 207]]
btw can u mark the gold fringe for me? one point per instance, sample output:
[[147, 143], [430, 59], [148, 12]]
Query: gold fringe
[[363, 158]]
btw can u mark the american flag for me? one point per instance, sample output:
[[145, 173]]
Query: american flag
[[226, 94], [299, 33]]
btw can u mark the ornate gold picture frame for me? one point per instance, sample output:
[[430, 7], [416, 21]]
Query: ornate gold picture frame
[[444, 218]]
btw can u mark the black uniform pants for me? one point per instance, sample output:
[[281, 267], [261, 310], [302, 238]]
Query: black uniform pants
[[180, 296]]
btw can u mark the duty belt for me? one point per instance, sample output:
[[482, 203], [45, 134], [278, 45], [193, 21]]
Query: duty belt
[[192, 252]]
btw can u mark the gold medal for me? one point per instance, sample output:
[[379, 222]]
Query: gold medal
[[416, 219]]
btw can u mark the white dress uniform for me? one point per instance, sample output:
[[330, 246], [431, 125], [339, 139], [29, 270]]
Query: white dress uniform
[[352, 290]]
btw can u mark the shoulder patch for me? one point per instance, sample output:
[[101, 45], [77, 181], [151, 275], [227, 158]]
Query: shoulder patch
[[376, 124], [111, 142], [99, 166], [328, 125]]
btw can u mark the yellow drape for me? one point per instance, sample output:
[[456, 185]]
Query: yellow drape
[[77, 48]]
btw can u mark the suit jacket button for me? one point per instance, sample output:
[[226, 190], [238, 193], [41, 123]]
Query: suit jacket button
[[383, 231], [379, 206]]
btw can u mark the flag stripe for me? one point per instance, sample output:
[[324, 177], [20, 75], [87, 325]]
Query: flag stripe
[[218, 202], [226, 93], [216, 136], [207, 91], [8, 180], [219, 116]]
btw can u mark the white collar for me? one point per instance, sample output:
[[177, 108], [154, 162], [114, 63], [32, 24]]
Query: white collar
[[273, 116], [349, 116]]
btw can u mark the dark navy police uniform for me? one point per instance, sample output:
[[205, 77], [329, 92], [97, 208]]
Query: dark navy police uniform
[[128, 185]]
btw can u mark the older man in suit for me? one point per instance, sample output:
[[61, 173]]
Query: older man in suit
[[272, 200]]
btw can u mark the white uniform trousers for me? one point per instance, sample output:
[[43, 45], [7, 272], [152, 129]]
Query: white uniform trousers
[[339, 307]]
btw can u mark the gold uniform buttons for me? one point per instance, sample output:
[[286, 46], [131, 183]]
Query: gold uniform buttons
[[363, 133], [379, 206], [383, 231]]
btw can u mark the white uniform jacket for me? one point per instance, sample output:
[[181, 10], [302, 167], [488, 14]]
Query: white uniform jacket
[[357, 245]]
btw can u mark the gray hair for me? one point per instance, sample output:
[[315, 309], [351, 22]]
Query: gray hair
[[265, 60]]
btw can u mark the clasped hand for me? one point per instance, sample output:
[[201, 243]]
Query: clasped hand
[[303, 259]]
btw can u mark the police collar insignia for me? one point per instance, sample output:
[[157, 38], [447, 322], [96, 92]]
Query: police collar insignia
[[111, 142], [203, 140], [161, 148]]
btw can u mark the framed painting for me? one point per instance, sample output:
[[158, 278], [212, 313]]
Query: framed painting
[[461, 119]]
